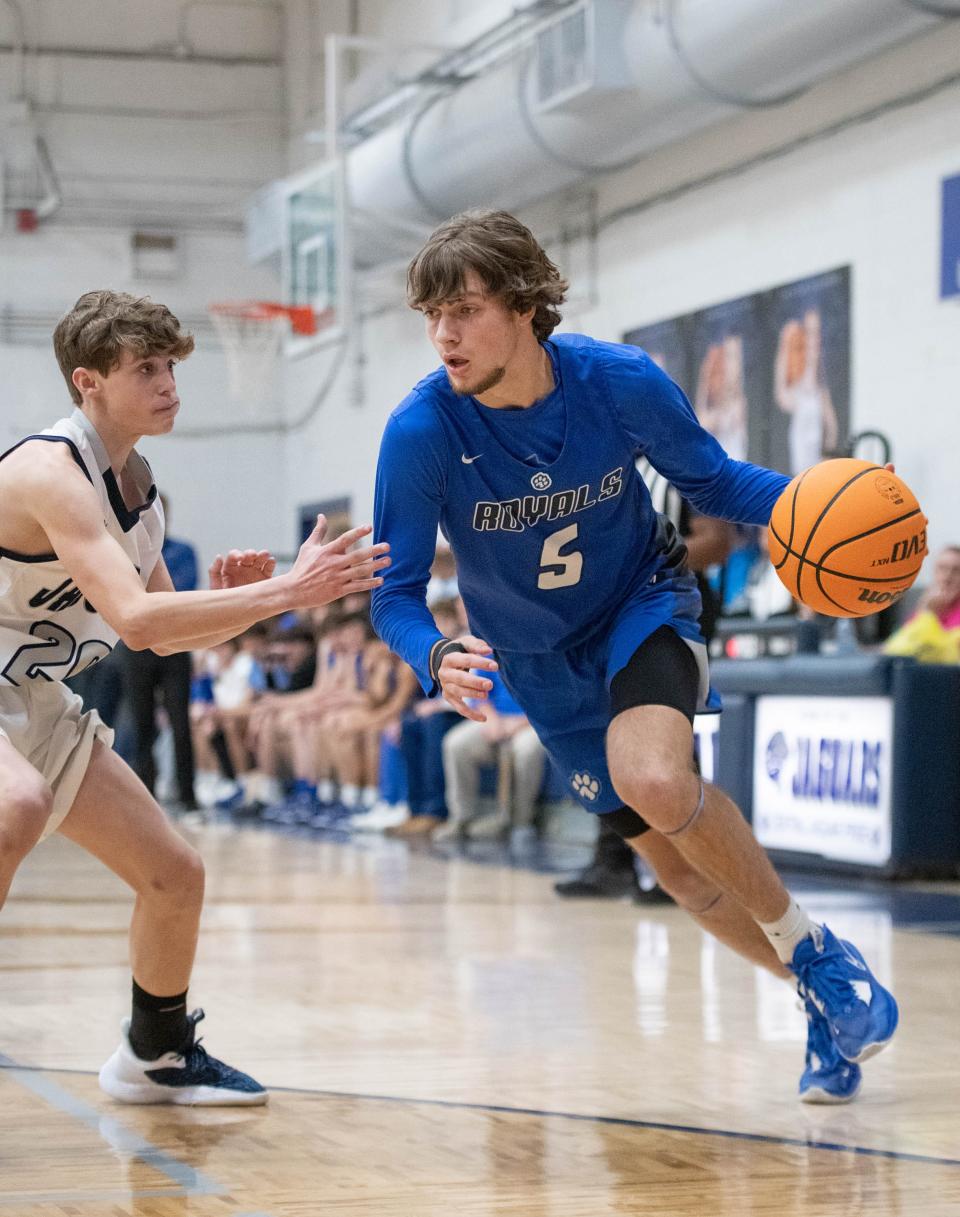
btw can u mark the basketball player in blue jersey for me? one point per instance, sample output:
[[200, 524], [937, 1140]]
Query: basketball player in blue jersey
[[522, 448], [81, 528]]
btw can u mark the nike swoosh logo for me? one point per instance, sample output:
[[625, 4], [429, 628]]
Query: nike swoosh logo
[[468, 460]]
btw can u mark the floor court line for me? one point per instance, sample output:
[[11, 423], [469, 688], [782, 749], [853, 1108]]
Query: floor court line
[[191, 1181], [581, 1117], [626, 1122]]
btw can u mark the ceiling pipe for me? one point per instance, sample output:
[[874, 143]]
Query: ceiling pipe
[[485, 139]]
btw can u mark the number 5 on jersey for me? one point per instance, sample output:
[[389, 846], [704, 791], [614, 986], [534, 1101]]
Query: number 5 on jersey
[[557, 569]]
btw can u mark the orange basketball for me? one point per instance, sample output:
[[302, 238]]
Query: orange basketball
[[847, 538]]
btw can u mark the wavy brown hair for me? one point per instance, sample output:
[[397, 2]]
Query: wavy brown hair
[[104, 324], [503, 252]]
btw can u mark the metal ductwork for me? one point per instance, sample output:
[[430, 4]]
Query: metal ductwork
[[600, 83]]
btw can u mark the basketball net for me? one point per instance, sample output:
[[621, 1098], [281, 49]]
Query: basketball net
[[251, 333]]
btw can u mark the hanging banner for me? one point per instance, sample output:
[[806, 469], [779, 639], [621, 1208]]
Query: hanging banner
[[950, 240], [768, 374]]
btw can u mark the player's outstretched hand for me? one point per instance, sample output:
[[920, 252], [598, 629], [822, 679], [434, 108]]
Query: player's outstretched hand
[[240, 567], [322, 573], [458, 682]]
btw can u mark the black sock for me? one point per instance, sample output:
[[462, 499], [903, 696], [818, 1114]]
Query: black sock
[[218, 742], [158, 1024]]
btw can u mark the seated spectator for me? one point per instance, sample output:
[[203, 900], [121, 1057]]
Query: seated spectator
[[931, 634], [290, 666], [300, 723], [235, 679], [345, 732], [421, 742], [443, 577], [290, 659], [507, 741], [371, 728], [942, 598]]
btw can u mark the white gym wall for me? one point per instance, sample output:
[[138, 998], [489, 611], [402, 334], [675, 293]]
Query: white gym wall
[[805, 200], [168, 115], [160, 116]]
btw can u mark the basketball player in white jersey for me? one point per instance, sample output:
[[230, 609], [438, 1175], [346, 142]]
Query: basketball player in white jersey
[[80, 533]]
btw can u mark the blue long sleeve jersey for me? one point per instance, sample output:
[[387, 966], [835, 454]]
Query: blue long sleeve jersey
[[550, 523]]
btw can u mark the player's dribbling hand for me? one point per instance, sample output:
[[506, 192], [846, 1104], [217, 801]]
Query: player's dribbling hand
[[457, 682], [241, 567], [322, 573]]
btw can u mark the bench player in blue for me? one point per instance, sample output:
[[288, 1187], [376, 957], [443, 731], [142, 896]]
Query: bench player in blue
[[521, 447]]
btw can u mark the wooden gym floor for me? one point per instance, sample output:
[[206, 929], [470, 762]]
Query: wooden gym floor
[[446, 1038]]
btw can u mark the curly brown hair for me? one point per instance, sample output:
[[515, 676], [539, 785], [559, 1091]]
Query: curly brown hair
[[103, 324], [503, 252]]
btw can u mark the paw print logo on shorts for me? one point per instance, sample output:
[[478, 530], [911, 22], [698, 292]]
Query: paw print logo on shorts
[[585, 785], [541, 481]]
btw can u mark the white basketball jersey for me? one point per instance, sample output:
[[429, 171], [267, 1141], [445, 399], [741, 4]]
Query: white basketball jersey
[[48, 631]]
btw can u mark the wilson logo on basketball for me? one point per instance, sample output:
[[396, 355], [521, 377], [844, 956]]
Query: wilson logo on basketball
[[870, 595]]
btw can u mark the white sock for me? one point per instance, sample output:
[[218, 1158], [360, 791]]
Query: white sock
[[787, 933], [325, 790], [368, 796], [348, 794]]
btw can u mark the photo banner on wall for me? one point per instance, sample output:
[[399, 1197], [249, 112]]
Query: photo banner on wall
[[768, 374], [950, 239]]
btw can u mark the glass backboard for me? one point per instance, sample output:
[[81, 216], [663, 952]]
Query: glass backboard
[[314, 256]]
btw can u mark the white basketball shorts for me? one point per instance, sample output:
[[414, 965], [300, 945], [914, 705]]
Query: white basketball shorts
[[48, 726]]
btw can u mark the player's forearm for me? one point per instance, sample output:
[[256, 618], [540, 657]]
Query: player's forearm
[[406, 512], [202, 642], [401, 618], [176, 620], [741, 492]]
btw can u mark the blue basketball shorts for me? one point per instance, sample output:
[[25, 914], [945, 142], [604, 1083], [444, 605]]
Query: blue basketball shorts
[[566, 694]]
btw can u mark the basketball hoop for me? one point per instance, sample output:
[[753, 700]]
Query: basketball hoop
[[252, 333]]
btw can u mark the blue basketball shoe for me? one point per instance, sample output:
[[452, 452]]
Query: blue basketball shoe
[[860, 1014], [827, 1077], [190, 1076]]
